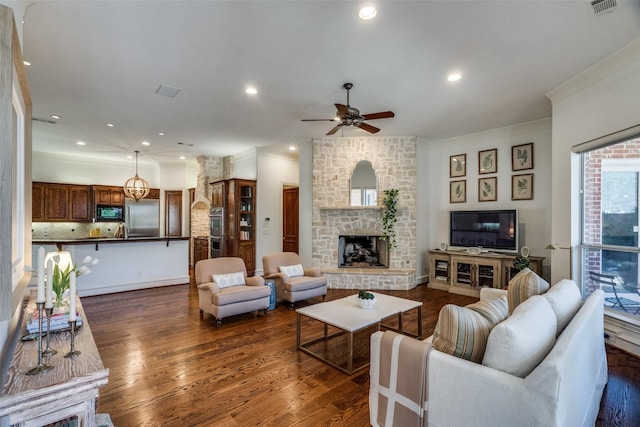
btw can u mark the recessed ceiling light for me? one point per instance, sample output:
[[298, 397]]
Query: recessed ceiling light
[[129, 156], [27, 63], [161, 133], [182, 157], [251, 90], [146, 143], [367, 12], [110, 125], [292, 148], [55, 116], [454, 77], [81, 143]]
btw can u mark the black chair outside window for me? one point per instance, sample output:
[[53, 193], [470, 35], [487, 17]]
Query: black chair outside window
[[608, 284]]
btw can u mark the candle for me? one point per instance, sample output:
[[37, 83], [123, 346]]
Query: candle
[[40, 295], [72, 296], [49, 289]]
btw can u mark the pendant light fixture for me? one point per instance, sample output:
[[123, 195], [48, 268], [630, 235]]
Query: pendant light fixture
[[136, 187]]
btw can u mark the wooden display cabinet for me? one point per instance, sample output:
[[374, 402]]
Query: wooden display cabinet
[[239, 200], [439, 271]]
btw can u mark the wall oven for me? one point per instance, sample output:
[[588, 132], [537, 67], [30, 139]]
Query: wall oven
[[216, 247], [216, 219]]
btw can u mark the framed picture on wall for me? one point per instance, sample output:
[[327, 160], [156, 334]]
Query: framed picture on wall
[[458, 191], [487, 189], [488, 161], [522, 187], [522, 157], [457, 165]]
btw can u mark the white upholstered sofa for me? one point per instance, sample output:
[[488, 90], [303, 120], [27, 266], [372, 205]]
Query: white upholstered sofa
[[562, 389]]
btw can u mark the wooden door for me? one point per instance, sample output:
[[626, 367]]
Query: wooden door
[[173, 213], [290, 219], [217, 194]]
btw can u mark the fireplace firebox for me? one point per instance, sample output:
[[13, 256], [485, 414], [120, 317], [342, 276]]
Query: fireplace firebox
[[363, 252]]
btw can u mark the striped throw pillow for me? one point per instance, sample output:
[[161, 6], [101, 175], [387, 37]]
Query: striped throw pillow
[[462, 332], [524, 285], [495, 310]]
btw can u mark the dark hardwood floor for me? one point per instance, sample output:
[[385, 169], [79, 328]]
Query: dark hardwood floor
[[169, 367]]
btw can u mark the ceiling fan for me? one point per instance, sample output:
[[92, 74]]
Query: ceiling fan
[[350, 116]]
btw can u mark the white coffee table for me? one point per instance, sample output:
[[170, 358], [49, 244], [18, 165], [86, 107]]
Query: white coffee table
[[346, 315]]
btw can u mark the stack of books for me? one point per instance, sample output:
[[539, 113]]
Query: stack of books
[[59, 320]]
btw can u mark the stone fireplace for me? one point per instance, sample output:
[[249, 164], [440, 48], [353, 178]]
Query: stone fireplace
[[363, 251], [394, 162]]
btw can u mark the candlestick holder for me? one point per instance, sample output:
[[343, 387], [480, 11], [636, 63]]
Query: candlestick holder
[[42, 367], [49, 351], [73, 351]]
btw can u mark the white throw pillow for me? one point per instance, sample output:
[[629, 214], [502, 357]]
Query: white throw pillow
[[292, 270], [229, 279], [565, 300], [518, 344]]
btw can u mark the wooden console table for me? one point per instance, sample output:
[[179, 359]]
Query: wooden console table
[[70, 389]]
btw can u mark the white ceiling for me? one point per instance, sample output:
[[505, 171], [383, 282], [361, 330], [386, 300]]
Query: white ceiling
[[98, 62]]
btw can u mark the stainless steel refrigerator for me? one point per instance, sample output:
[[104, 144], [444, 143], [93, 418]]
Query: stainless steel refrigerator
[[142, 218]]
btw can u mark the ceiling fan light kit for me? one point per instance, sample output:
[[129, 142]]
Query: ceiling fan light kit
[[136, 188], [350, 116]]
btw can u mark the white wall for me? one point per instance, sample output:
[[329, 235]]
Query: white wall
[[433, 185], [602, 100], [245, 164], [274, 172]]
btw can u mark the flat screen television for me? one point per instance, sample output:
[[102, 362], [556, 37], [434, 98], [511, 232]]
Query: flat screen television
[[495, 230]]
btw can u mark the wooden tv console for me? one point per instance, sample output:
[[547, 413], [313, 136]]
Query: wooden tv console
[[462, 273]]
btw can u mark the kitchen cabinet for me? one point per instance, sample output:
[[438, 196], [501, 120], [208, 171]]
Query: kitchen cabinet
[[239, 201], [173, 213], [217, 194], [200, 249], [80, 207], [51, 202], [108, 195]]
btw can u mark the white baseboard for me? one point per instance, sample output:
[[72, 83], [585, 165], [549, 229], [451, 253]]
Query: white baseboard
[[91, 291]]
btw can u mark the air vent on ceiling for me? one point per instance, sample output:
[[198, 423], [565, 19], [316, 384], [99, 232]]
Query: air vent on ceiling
[[603, 6], [169, 91], [36, 119]]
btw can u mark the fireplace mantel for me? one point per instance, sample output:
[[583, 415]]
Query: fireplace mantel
[[351, 208]]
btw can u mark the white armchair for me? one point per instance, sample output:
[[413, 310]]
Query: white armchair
[[225, 290]]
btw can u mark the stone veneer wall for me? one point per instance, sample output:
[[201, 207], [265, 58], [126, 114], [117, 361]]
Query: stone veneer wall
[[394, 161], [209, 169]]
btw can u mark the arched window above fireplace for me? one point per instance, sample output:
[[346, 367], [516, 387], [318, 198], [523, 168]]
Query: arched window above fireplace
[[364, 185]]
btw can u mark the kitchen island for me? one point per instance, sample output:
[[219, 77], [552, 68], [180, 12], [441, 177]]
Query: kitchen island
[[125, 264]]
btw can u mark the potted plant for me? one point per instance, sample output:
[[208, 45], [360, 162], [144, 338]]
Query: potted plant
[[520, 263], [366, 299], [389, 216]]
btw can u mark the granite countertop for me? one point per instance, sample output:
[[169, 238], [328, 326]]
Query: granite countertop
[[96, 240]]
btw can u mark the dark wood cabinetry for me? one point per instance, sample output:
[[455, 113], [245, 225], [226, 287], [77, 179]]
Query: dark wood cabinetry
[[200, 249], [217, 194], [108, 195], [238, 197], [173, 213], [80, 207], [60, 202]]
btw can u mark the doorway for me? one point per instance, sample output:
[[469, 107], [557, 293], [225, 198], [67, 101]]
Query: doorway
[[290, 211]]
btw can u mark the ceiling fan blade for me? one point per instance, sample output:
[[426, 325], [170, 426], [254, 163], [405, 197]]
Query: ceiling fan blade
[[334, 130], [343, 110], [380, 115], [368, 128], [318, 120]]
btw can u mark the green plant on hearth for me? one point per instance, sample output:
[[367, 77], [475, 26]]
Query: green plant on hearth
[[389, 216], [365, 295], [520, 262]]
